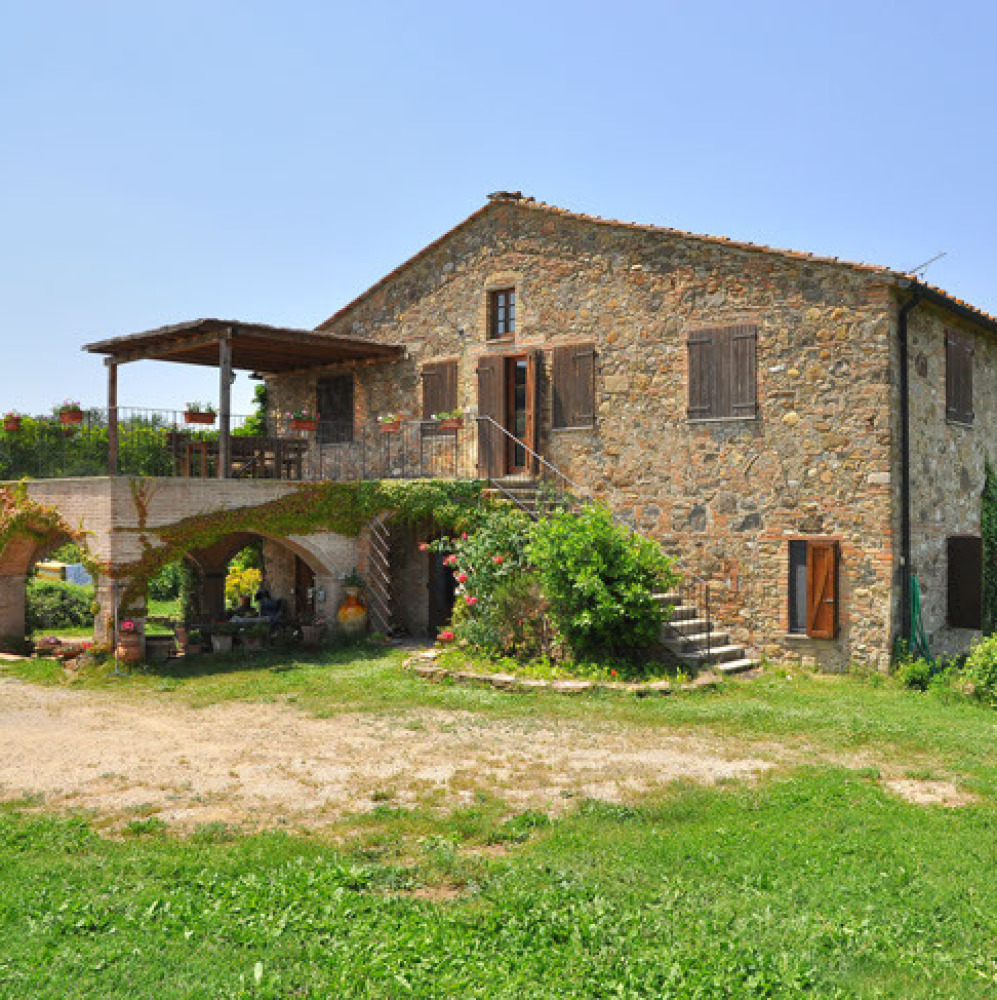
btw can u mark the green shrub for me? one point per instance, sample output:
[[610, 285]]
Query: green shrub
[[166, 584], [50, 604], [915, 673], [599, 580], [981, 670]]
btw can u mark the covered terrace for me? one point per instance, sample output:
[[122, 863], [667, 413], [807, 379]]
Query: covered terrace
[[231, 346]]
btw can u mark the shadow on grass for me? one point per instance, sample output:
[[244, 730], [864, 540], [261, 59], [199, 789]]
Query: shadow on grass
[[275, 660]]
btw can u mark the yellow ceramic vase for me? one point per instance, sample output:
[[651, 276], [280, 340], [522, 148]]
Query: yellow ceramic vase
[[352, 615]]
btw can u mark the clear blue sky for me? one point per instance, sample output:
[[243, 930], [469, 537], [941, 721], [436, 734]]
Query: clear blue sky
[[161, 161]]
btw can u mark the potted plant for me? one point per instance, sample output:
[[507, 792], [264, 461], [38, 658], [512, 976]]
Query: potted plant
[[129, 641], [69, 412], [199, 413], [450, 421], [194, 645], [313, 632], [222, 637], [46, 645], [254, 637], [390, 423], [12, 420], [302, 419]]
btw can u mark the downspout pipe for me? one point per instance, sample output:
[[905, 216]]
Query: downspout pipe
[[905, 533]]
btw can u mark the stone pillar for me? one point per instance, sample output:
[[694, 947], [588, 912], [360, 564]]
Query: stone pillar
[[106, 592], [327, 594], [12, 610]]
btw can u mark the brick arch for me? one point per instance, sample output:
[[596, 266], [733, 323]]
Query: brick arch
[[19, 554]]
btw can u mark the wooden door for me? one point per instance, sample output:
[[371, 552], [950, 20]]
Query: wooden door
[[304, 589], [491, 403]]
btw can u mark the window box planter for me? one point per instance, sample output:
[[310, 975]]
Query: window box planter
[[70, 416], [451, 424], [192, 417], [301, 424], [390, 426], [11, 423]]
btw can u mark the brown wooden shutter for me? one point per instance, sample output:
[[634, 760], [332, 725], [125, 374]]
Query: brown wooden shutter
[[534, 370], [965, 581], [573, 385], [491, 403], [743, 364], [439, 388], [959, 351], [701, 374], [822, 589]]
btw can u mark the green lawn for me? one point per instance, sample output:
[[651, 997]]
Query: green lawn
[[816, 882]]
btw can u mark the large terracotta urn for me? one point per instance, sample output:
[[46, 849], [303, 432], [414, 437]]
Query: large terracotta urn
[[352, 614]]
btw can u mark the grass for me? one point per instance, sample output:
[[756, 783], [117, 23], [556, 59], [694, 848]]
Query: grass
[[814, 883]]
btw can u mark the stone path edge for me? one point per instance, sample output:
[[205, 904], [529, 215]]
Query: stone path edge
[[422, 664]]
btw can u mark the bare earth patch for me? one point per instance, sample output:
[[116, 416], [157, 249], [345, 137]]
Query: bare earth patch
[[933, 792], [260, 765]]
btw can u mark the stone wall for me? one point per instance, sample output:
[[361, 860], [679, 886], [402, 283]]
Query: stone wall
[[724, 497], [947, 461]]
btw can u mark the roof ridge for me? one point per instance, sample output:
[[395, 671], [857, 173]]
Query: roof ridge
[[530, 203]]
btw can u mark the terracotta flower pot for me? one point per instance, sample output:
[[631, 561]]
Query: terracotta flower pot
[[71, 417], [130, 647], [391, 427], [198, 418], [351, 614], [12, 423], [299, 424]]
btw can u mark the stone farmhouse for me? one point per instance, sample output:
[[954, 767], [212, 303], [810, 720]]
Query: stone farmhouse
[[807, 435]]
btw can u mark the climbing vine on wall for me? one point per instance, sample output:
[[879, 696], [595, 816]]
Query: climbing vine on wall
[[22, 517], [343, 508], [988, 521]]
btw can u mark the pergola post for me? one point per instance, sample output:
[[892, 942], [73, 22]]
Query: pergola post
[[225, 405], [112, 416]]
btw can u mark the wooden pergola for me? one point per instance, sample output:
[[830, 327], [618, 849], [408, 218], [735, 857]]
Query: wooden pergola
[[229, 345]]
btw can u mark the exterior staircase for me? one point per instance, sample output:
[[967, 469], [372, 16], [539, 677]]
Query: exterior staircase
[[689, 633], [694, 639]]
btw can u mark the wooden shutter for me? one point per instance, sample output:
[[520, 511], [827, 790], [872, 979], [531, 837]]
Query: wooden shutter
[[965, 581], [723, 372], [491, 403], [439, 388], [573, 386], [743, 363], [822, 589], [334, 406], [959, 351], [701, 375], [534, 370]]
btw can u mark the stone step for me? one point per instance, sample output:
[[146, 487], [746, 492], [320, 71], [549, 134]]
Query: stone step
[[736, 666], [717, 654], [683, 613], [688, 626], [698, 640]]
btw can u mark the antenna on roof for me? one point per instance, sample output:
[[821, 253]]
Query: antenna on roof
[[921, 267]]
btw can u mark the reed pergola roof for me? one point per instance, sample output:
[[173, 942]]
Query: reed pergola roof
[[269, 350]]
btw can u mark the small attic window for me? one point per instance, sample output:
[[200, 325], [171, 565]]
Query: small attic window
[[502, 313]]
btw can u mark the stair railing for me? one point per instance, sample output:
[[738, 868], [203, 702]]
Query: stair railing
[[562, 491]]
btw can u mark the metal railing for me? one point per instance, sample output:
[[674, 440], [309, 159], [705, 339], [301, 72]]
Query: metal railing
[[539, 487]]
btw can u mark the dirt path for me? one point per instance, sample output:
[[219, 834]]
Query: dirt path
[[263, 764]]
